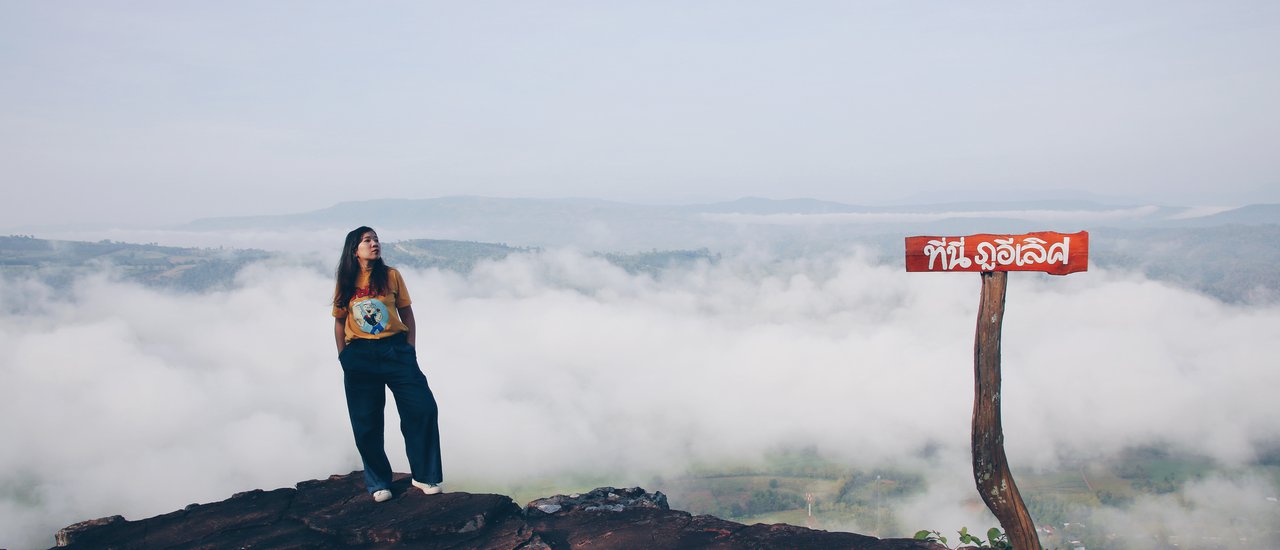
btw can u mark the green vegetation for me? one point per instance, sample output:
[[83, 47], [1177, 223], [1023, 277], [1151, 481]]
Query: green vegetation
[[1154, 470], [534, 488], [59, 262], [1062, 503], [461, 256], [995, 538], [762, 502], [654, 261], [780, 487], [1233, 263]]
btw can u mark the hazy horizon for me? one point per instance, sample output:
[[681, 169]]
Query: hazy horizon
[[902, 208]]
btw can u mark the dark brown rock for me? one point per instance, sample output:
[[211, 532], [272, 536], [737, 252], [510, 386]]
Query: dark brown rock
[[632, 518], [338, 513]]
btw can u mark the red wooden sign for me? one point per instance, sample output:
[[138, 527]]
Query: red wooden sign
[[1056, 253]]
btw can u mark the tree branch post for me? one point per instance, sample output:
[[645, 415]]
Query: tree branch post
[[990, 467]]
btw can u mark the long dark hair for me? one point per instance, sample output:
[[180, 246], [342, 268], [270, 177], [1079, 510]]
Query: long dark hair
[[349, 270]]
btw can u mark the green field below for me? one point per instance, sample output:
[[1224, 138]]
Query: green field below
[[802, 488]]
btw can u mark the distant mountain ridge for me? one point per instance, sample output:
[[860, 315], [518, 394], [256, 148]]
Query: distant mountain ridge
[[608, 225], [436, 210], [464, 207], [58, 262], [1230, 255], [757, 205], [1253, 214]]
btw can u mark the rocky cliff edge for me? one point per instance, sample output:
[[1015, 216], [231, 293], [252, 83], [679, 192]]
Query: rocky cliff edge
[[338, 513]]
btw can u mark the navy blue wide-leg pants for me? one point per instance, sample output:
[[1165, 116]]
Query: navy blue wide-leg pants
[[369, 367]]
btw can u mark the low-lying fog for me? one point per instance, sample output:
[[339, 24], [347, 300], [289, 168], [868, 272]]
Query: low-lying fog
[[119, 399]]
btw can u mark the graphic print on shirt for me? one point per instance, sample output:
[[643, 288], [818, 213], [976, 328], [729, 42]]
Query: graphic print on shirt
[[371, 315]]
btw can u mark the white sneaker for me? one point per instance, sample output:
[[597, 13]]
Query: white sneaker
[[381, 495], [428, 488]]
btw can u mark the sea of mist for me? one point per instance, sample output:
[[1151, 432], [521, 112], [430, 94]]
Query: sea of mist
[[122, 399]]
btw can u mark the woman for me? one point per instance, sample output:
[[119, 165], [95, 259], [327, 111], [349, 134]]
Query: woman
[[374, 329]]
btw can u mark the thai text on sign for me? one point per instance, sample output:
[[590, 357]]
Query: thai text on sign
[[1055, 253]]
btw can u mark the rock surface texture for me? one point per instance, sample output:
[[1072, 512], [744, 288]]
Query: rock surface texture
[[338, 513]]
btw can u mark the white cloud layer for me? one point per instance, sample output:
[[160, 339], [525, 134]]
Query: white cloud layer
[[1219, 511], [119, 399]]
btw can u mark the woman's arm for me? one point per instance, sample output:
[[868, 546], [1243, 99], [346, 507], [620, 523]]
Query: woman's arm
[[340, 332], [406, 317]]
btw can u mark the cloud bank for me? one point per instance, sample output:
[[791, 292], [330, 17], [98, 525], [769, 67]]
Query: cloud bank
[[119, 399]]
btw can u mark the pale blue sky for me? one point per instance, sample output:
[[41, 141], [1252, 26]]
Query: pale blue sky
[[157, 112]]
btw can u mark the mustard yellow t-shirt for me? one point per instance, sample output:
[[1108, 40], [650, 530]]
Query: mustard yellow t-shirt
[[371, 316]]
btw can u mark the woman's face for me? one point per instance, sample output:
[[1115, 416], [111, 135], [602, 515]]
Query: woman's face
[[369, 248]]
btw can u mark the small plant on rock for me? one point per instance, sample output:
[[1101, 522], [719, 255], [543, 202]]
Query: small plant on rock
[[995, 538]]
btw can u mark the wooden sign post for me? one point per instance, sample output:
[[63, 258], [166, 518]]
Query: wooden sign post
[[993, 256]]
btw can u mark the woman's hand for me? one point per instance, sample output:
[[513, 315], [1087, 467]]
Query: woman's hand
[[406, 317], [340, 332]]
